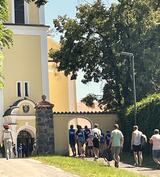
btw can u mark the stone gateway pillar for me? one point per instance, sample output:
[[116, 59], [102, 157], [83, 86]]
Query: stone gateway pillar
[[44, 127]]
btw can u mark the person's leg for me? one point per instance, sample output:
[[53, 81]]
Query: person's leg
[[6, 149], [10, 149], [135, 158], [155, 157], [140, 158], [117, 156]]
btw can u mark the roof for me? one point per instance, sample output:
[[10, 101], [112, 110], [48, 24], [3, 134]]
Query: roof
[[15, 105]]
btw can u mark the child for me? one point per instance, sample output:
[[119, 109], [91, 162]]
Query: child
[[90, 145]]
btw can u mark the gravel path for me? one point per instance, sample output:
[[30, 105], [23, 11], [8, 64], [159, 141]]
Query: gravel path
[[29, 168], [148, 172]]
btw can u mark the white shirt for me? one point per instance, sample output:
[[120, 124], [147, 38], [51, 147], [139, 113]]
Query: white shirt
[[96, 131], [7, 134], [156, 142], [136, 137]]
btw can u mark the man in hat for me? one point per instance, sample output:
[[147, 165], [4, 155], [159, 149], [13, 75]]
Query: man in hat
[[8, 141]]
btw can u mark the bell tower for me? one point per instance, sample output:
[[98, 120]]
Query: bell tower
[[26, 62]]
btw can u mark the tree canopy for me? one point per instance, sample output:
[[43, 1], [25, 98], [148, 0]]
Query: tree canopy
[[93, 40]]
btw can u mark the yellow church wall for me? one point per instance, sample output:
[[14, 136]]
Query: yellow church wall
[[33, 14], [22, 63], [58, 83], [58, 89], [21, 123], [62, 123]]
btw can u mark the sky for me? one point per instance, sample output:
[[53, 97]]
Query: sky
[[68, 7]]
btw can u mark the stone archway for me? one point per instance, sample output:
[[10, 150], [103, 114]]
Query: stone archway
[[25, 140], [80, 121]]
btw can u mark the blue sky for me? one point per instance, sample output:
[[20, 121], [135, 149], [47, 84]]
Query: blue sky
[[61, 7]]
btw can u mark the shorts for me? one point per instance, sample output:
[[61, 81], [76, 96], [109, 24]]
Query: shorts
[[137, 148], [72, 144], [96, 143], [116, 150], [90, 147], [156, 154]]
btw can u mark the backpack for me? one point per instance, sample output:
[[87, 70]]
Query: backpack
[[143, 139], [107, 155]]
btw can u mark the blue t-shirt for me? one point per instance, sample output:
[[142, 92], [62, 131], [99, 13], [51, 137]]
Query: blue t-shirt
[[86, 133], [72, 135], [102, 139], [80, 136]]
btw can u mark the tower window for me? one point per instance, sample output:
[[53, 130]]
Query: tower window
[[19, 11], [26, 89], [19, 93]]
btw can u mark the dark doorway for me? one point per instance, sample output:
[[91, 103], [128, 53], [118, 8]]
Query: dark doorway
[[24, 144]]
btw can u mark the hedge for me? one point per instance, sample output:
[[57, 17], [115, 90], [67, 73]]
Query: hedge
[[148, 118]]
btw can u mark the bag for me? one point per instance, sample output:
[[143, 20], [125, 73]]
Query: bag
[[143, 139], [107, 155]]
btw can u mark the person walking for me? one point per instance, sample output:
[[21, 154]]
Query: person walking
[[117, 140], [80, 140], [136, 146], [96, 132], [8, 141], [87, 131], [155, 141], [72, 140]]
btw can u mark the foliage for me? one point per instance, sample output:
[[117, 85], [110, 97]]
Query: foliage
[[85, 168], [148, 114], [89, 100], [93, 40], [5, 34], [38, 2]]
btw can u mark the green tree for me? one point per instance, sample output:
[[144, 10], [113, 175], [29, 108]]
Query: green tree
[[38, 2], [92, 41]]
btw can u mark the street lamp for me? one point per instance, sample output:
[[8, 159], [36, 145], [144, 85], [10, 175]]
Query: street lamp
[[131, 56]]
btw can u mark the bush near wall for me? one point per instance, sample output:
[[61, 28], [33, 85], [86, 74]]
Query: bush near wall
[[148, 118]]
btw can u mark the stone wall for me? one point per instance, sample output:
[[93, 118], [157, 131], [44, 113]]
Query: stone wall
[[44, 130]]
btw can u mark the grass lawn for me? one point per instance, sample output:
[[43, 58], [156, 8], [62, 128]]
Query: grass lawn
[[84, 168]]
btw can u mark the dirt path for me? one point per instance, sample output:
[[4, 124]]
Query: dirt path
[[149, 172], [141, 170], [29, 168]]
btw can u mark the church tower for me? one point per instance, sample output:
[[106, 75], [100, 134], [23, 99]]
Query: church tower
[[26, 62]]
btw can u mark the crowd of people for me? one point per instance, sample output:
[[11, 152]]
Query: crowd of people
[[89, 142], [85, 142]]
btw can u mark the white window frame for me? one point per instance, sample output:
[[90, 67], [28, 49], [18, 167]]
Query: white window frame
[[24, 90], [20, 88]]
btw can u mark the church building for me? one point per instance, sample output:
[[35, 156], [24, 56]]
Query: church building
[[29, 73]]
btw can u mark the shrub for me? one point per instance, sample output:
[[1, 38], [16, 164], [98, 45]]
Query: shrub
[[148, 118]]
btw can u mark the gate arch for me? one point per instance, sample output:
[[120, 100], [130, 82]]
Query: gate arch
[[80, 121]]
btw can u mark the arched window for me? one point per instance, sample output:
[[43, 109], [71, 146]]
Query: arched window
[[19, 11]]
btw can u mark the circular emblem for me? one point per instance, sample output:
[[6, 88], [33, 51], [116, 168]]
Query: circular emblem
[[25, 108]]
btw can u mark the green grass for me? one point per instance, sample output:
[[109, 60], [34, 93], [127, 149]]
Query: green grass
[[85, 168]]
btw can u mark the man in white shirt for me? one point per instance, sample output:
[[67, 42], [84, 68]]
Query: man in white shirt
[[96, 132], [136, 146], [8, 141], [155, 141]]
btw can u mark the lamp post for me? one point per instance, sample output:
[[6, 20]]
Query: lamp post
[[131, 56]]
